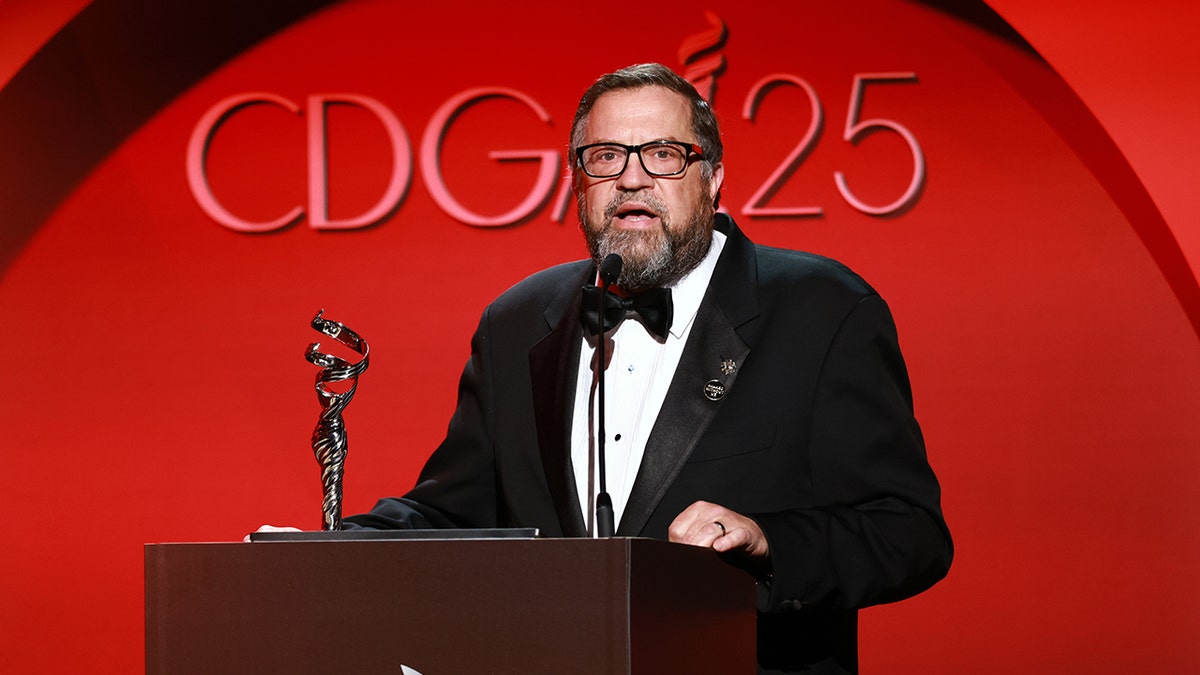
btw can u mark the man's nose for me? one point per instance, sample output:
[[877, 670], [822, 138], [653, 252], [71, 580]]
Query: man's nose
[[634, 177]]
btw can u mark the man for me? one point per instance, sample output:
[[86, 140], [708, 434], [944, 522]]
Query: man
[[771, 421]]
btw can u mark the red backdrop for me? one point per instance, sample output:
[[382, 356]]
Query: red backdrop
[[158, 388]]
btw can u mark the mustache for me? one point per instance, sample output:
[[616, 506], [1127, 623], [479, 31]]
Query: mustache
[[651, 202]]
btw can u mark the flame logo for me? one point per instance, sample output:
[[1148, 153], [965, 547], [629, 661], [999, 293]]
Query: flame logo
[[701, 57]]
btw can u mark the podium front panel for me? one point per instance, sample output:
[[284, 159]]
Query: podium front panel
[[445, 606]]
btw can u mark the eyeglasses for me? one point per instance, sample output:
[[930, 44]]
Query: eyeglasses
[[659, 158]]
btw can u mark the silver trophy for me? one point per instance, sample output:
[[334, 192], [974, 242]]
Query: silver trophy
[[335, 388]]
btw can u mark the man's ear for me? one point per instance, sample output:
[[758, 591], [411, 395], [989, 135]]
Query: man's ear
[[714, 186]]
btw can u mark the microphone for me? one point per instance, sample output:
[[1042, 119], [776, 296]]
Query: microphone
[[610, 271]]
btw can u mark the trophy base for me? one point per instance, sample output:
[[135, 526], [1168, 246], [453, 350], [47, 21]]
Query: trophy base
[[399, 535]]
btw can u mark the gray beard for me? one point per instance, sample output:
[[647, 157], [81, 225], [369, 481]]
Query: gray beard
[[653, 259]]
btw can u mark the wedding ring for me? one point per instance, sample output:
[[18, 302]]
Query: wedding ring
[[720, 525]]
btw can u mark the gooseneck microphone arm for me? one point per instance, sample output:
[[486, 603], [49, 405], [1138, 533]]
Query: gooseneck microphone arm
[[610, 271]]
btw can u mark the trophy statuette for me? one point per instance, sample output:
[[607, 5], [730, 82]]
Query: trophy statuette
[[329, 437]]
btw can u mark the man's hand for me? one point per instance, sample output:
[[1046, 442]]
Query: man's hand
[[272, 528], [714, 526]]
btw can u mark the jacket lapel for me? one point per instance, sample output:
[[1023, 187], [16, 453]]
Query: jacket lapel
[[553, 368], [730, 301]]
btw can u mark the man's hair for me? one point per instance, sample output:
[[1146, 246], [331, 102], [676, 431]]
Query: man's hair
[[704, 121]]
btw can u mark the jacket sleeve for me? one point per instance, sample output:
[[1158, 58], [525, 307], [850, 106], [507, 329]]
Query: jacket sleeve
[[457, 486], [875, 531]]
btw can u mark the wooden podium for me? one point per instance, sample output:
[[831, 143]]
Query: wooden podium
[[446, 607]]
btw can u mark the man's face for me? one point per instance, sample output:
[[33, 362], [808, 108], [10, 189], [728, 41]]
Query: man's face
[[661, 226]]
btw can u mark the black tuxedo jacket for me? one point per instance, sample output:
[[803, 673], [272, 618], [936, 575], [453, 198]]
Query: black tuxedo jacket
[[814, 438]]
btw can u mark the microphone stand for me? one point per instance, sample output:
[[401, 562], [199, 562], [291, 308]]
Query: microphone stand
[[610, 270]]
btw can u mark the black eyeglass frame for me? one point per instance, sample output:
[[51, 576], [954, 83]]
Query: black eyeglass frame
[[691, 150]]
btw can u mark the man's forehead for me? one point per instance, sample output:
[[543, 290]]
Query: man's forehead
[[657, 110]]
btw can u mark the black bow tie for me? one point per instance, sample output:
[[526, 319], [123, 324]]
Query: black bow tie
[[653, 306]]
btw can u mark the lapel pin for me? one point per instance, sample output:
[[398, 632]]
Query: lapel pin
[[714, 390], [728, 366]]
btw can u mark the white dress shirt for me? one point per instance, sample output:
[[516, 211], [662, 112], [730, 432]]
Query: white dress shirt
[[639, 373]]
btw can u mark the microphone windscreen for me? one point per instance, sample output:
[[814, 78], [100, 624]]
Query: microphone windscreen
[[610, 268]]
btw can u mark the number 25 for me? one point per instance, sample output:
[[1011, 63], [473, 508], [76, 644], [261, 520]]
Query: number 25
[[855, 130]]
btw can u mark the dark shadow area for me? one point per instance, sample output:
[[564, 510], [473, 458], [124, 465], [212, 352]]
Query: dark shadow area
[[101, 78]]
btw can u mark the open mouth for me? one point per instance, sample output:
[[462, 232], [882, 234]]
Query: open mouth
[[634, 214]]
